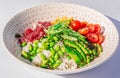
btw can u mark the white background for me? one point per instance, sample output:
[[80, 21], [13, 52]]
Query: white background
[[9, 68]]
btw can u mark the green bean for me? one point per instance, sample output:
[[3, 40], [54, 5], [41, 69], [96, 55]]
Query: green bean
[[82, 48], [43, 57], [69, 37], [23, 44]]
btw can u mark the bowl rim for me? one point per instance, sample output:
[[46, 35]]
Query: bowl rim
[[60, 71]]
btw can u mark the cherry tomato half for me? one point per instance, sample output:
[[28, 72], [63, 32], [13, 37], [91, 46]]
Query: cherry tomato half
[[84, 24], [97, 28], [83, 31], [92, 37], [91, 27], [101, 39], [76, 24]]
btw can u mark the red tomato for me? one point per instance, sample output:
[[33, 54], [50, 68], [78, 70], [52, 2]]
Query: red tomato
[[101, 39], [76, 24], [91, 27], [97, 28], [92, 37], [83, 31], [28, 31]]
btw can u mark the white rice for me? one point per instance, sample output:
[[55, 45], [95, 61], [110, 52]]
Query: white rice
[[67, 64], [37, 59]]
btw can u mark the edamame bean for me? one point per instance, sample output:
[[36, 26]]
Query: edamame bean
[[24, 54], [43, 57], [52, 44], [56, 64], [60, 53], [23, 44], [63, 49], [45, 61], [39, 50], [68, 57], [55, 38], [52, 60], [30, 47], [35, 41], [57, 47], [35, 45], [56, 56]]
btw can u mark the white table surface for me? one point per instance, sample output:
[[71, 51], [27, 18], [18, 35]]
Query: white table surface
[[9, 68]]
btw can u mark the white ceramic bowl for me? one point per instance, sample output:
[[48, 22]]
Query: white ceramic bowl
[[48, 12]]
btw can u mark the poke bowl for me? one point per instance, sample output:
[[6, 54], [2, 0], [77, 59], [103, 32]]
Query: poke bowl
[[60, 38]]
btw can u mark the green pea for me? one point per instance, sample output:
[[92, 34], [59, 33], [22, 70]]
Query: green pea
[[68, 57], [23, 44], [55, 38], [35, 41], [24, 54], [30, 47], [43, 57]]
